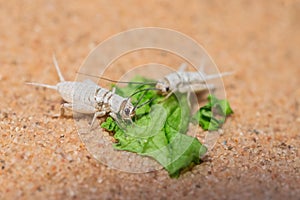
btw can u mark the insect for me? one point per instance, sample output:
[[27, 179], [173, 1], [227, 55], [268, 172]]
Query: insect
[[88, 98], [186, 82]]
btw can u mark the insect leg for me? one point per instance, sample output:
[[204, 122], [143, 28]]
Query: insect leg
[[80, 108], [213, 76], [62, 109], [182, 67], [195, 88], [169, 94], [172, 92], [201, 67], [188, 99], [96, 115], [121, 124]]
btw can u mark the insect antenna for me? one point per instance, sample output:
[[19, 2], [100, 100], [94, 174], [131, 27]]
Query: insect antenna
[[140, 99], [147, 89], [114, 81], [146, 102]]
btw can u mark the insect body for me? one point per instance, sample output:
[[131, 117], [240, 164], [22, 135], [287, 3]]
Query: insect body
[[186, 82], [88, 98]]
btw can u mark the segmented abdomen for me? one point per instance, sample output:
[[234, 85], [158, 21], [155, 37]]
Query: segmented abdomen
[[78, 92], [192, 77]]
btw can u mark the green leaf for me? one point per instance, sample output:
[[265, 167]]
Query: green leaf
[[109, 124], [159, 130], [212, 115]]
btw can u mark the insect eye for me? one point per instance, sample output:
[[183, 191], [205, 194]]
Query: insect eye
[[127, 111], [167, 89]]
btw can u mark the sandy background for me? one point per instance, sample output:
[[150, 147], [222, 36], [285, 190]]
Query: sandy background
[[256, 157]]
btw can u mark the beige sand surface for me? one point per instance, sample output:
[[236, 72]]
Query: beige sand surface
[[256, 157]]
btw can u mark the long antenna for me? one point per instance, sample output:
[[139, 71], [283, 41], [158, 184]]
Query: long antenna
[[136, 106], [146, 102], [114, 81], [140, 99], [147, 89]]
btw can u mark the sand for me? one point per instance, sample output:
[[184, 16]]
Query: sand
[[257, 156]]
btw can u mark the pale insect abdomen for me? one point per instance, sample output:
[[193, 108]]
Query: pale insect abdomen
[[184, 78], [78, 92], [192, 77]]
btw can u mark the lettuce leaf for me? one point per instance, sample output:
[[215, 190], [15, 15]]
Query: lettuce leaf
[[159, 129], [212, 115]]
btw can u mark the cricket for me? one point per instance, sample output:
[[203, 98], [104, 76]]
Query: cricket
[[88, 98]]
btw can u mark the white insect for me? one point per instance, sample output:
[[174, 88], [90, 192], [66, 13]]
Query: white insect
[[88, 98], [186, 82]]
